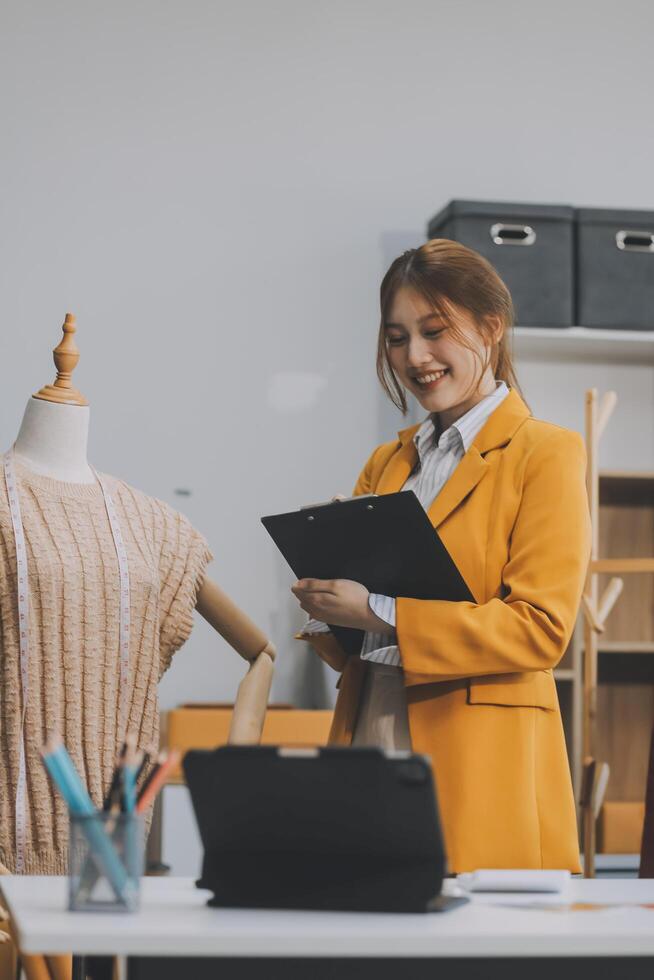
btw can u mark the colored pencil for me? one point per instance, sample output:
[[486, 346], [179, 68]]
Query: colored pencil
[[147, 796]]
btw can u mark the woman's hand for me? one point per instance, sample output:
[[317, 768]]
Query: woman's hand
[[339, 602]]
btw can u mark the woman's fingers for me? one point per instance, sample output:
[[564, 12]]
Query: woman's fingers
[[314, 585], [339, 496], [315, 604]]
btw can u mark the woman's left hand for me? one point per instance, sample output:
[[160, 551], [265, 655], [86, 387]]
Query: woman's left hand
[[340, 602]]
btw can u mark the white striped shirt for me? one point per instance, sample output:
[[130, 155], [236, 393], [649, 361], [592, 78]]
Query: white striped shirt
[[437, 460]]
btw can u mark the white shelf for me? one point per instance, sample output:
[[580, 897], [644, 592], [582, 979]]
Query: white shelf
[[584, 344]]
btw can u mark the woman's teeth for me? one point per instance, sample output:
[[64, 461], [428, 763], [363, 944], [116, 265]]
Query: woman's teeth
[[427, 379]]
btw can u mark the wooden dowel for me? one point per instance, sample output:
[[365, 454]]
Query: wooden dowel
[[600, 784], [589, 599], [590, 636], [608, 403], [592, 616], [609, 598], [592, 470], [622, 566]]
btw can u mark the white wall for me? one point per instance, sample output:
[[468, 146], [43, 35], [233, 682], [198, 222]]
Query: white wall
[[211, 187]]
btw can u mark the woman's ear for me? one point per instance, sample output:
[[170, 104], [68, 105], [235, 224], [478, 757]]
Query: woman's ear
[[496, 328]]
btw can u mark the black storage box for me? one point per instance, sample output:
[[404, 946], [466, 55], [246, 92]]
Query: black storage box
[[530, 245], [615, 269]]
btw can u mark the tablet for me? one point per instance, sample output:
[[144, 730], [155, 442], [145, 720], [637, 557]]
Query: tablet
[[333, 828]]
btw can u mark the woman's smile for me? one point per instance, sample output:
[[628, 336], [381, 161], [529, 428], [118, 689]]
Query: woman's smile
[[427, 381]]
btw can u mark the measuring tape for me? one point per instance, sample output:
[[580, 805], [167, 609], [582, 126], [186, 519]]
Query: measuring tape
[[22, 595], [124, 619]]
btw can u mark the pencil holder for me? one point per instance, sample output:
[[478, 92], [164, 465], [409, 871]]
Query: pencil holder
[[105, 862]]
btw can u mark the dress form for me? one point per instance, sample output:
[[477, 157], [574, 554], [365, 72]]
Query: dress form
[[53, 435], [52, 442]]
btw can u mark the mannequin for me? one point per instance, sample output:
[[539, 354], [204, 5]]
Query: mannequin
[[111, 578], [52, 441]]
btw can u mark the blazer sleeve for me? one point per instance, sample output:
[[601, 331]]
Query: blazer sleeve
[[528, 627]]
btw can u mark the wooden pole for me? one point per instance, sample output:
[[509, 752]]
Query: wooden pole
[[590, 636], [590, 587]]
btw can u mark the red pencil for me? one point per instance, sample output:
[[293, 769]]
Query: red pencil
[[155, 784]]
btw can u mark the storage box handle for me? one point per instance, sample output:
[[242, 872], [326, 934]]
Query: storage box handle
[[635, 241], [512, 234]]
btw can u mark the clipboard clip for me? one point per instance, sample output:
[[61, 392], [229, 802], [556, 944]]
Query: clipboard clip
[[344, 500]]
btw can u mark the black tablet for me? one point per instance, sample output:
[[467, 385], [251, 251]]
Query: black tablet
[[332, 828]]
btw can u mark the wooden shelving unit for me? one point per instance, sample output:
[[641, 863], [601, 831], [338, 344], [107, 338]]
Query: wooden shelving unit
[[618, 706], [625, 698], [606, 679]]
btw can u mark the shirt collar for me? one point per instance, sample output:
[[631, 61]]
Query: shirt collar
[[464, 429]]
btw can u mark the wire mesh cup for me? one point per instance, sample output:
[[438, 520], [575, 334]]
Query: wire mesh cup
[[106, 862]]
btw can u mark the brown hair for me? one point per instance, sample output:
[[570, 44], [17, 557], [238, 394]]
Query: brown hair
[[447, 275]]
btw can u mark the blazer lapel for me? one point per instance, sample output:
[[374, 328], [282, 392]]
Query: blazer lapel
[[464, 479], [399, 466], [498, 431]]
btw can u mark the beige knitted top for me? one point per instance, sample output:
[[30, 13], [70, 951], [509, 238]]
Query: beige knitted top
[[74, 640]]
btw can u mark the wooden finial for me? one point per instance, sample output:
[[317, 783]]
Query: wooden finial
[[66, 356]]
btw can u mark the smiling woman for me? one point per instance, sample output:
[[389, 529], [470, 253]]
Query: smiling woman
[[469, 683], [445, 317]]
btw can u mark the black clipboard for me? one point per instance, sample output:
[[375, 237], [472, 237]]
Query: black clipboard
[[386, 542]]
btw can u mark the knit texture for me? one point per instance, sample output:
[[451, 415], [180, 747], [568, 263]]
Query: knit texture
[[74, 621]]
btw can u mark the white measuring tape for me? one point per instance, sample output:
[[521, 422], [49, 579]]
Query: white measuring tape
[[124, 621], [22, 595]]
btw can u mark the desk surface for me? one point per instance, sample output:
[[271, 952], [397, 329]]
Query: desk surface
[[175, 920]]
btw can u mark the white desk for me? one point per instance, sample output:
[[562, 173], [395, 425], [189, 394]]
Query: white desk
[[174, 921]]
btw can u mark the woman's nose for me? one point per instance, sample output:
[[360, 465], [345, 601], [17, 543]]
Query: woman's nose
[[418, 353]]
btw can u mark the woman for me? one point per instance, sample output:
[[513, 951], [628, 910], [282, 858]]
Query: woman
[[469, 683]]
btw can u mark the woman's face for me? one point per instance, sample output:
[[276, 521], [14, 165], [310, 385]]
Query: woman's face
[[431, 365]]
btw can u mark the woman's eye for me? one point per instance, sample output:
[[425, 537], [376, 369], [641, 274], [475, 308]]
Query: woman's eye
[[395, 341], [433, 333]]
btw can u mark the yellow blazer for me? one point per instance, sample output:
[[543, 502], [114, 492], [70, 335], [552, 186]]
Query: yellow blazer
[[481, 697]]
